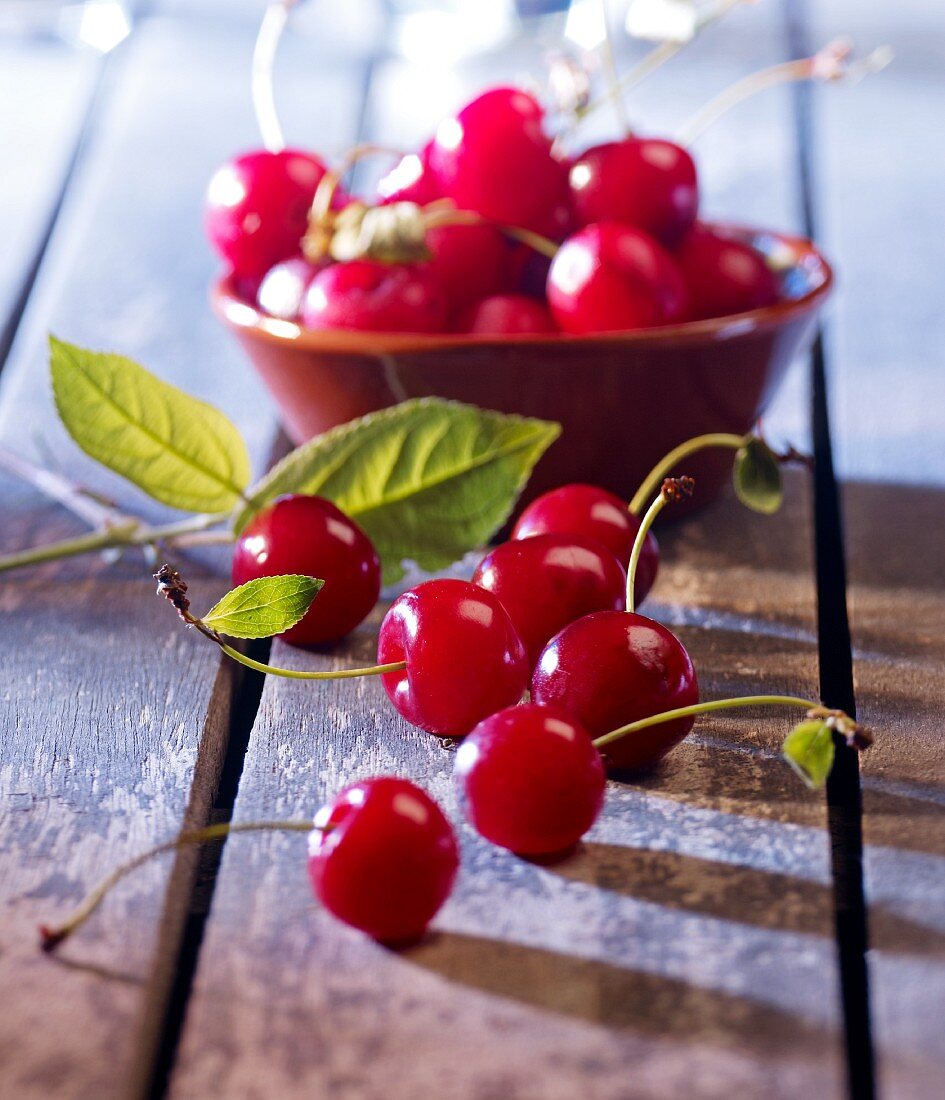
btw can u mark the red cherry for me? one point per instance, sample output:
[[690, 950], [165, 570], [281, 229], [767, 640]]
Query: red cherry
[[310, 536], [257, 207], [494, 158], [644, 182], [410, 180], [548, 581], [611, 278], [469, 262], [383, 858], [283, 288], [464, 659], [506, 315], [723, 275], [375, 297], [612, 668], [532, 779], [592, 513]]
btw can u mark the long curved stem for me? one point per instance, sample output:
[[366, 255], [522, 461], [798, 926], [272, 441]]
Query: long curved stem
[[51, 937], [705, 708], [613, 77], [264, 55], [294, 674], [669, 461], [672, 489]]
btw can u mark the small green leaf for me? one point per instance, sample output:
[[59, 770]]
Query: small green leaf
[[809, 749], [428, 480], [181, 451], [263, 607], [757, 477]]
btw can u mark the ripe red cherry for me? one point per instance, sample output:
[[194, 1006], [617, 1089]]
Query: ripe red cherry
[[257, 207], [506, 315], [548, 581], [532, 779], [611, 278], [723, 275], [644, 182], [283, 288], [310, 536], [464, 659], [410, 180], [469, 262], [383, 858], [494, 158], [375, 297], [590, 512], [610, 669]]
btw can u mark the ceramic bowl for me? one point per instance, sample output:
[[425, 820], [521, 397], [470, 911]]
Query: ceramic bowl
[[623, 400]]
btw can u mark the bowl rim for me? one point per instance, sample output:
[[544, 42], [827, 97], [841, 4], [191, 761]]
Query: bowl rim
[[239, 313]]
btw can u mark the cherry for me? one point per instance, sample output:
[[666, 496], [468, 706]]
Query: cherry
[[723, 275], [309, 535], [283, 288], [548, 581], [506, 315], [464, 659], [257, 207], [494, 158], [612, 668], [469, 262], [532, 779], [590, 512], [611, 278], [383, 858], [410, 180], [375, 297], [644, 182]]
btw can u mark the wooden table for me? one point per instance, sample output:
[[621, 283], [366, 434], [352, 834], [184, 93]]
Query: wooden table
[[719, 931]]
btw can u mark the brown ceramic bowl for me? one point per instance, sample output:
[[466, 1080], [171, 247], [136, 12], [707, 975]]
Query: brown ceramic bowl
[[623, 400]]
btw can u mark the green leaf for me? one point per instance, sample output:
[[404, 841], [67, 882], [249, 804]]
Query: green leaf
[[263, 607], [757, 477], [809, 749], [181, 451], [428, 480]]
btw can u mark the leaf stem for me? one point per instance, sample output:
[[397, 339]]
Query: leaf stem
[[669, 461], [705, 708], [672, 490], [51, 937], [124, 532]]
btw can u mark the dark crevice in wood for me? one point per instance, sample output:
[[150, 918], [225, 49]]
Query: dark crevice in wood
[[97, 98], [835, 652], [193, 881]]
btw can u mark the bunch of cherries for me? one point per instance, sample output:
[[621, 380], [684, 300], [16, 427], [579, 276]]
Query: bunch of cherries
[[515, 237]]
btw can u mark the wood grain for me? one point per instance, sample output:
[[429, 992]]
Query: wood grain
[[687, 947]]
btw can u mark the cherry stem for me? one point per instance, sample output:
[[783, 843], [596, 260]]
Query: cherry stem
[[658, 56], [264, 56], [120, 533], [613, 77], [294, 674], [331, 181], [672, 490], [669, 461], [51, 937], [831, 64]]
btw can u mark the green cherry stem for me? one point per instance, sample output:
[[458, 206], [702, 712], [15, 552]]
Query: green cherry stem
[[671, 460], [294, 674], [614, 91], [672, 490], [52, 936]]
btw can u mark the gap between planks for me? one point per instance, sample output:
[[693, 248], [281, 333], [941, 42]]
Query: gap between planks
[[835, 652]]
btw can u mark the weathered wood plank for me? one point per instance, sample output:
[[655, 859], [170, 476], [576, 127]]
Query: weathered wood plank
[[51, 87], [687, 947], [114, 729]]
